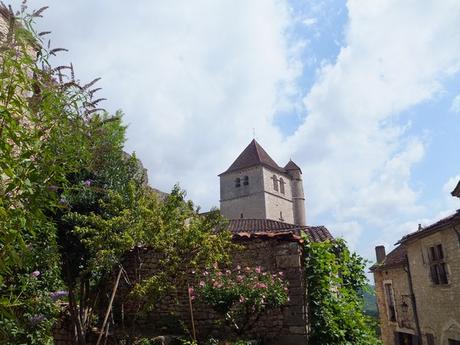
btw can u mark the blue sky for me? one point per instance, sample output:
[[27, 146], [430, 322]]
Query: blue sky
[[360, 94]]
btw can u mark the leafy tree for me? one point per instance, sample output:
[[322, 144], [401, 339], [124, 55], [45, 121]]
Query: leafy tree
[[43, 113], [335, 285]]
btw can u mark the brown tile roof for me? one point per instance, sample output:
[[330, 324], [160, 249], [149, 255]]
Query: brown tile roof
[[456, 191], [453, 219], [264, 226], [285, 236], [253, 155], [395, 258], [291, 166]]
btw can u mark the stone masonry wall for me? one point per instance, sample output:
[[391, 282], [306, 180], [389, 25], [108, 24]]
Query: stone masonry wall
[[246, 199], [284, 326], [438, 305], [404, 316]]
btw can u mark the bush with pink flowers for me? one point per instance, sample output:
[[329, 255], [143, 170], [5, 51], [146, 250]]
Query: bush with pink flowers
[[242, 295]]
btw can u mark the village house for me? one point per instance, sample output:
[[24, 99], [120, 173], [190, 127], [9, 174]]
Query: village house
[[418, 285]]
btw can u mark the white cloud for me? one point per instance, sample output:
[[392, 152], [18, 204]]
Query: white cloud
[[310, 21], [455, 106], [357, 158]]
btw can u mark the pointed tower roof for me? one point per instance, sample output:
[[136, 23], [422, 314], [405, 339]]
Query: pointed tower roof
[[253, 155], [292, 166]]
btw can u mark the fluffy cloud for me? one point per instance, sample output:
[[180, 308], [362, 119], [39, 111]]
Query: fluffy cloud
[[357, 154]]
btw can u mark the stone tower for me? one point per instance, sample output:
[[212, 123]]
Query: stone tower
[[255, 187]]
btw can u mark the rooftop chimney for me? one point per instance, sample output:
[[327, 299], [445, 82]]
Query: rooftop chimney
[[380, 254]]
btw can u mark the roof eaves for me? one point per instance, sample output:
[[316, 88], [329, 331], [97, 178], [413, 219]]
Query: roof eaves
[[439, 225]]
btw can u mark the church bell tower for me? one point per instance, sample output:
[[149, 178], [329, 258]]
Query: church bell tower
[[256, 187]]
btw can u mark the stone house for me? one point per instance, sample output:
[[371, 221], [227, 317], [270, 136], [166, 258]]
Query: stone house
[[418, 285]]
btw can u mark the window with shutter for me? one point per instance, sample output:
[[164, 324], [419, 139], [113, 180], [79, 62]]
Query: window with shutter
[[390, 302], [438, 269]]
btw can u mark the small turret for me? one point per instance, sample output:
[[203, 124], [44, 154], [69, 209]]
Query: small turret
[[298, 197]]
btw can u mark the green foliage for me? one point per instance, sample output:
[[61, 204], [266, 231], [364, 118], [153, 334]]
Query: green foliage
[[243, 294], [43, 114], [335, 282], [183, 240]]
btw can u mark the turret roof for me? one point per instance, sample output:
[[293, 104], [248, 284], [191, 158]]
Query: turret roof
[[253, 155], [292, 166]]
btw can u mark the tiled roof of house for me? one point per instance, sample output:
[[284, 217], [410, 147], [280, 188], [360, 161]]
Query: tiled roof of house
[[395, 258], [440, 224], [456, 191], [253, 155], [265, 226]]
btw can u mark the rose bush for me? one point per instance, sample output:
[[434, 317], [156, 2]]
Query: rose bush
[[242, 295]]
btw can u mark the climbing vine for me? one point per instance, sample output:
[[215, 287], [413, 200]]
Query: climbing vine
[[336, 282]]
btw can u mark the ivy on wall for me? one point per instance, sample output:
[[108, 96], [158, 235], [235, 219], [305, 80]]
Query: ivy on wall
[[336, 282]]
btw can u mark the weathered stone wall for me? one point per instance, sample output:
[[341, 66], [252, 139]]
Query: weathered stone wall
[[246, 199], [438, 305], [275, 201], [405, 321], [258, 199], [284, 326]]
